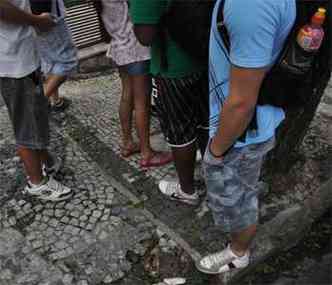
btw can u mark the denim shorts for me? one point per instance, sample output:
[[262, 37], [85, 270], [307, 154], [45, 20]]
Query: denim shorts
[[57, 51], [136, 68], [232, 185], [28, 110]]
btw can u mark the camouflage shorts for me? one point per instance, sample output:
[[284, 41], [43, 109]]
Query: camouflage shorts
[[232, 185]]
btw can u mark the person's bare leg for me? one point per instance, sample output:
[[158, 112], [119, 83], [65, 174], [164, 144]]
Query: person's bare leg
[[32, 164], [54, 97], [184, 160], [126, 112], [52, 84], [240, 242], [141, 85]]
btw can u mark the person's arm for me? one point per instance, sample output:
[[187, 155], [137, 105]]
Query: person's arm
[[252, 38], [146, 16], [238, 108], [11, 14], [146, 34]]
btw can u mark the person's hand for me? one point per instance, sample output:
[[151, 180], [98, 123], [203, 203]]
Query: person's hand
[[44, 22], [215, 150]]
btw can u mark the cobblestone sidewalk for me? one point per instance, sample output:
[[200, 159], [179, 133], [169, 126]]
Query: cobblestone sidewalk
[[116, 213]]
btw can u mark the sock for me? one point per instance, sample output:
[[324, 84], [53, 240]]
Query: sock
[[44, 180], [236, 255]]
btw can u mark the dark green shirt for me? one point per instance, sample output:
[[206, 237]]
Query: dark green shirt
[[180, 64]]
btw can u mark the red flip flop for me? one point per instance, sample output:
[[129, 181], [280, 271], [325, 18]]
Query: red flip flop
[[157, 159]]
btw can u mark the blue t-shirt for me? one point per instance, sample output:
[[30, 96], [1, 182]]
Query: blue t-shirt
[[257, 30]]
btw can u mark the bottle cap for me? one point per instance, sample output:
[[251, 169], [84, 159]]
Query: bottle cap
[[319, 17]]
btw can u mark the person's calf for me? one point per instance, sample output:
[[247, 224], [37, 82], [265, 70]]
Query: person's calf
[[241, 241], [184, 160], [32, 164]]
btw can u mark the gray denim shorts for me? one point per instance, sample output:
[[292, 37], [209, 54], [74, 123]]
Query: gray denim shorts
[[57, 51], [232, 185], [28, 110]]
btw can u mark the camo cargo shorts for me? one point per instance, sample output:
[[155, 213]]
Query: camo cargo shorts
[[232, 185]]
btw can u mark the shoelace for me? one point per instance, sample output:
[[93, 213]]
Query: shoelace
[[55, 186], [173, 188], [214, 259]]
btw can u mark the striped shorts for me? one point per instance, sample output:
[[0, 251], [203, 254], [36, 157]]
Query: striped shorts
[[182, 105]]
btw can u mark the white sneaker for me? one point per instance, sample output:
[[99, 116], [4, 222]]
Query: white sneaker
[[54, 169], [222, 262], [172, 189], [51, 190]]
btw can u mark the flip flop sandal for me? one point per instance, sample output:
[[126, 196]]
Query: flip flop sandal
[[157, 159], [126, 152]]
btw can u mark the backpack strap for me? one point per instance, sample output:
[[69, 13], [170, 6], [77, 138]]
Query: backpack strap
[[57, 8], [226, 40], [222, 28]]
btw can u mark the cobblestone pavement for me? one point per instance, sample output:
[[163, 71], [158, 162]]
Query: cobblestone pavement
[[116, 213]]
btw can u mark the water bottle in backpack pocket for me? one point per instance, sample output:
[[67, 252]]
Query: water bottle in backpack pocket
[[295, 66]]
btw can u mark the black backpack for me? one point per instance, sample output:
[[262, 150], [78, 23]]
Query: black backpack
[[294, 68], [188, 23]]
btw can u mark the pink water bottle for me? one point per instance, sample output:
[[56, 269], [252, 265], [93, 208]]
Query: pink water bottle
[[310, 36]]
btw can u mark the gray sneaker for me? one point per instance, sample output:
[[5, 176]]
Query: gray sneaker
[[172, 190], [51, 190]]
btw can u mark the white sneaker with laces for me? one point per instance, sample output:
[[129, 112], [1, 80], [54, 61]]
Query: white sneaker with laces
[[221, 262], [172, 189], [51, 190]]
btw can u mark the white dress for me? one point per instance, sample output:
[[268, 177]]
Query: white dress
[[124, 47]]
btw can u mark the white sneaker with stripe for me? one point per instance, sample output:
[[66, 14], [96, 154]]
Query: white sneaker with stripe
[[172, 189], [221, 262], [50, 190]]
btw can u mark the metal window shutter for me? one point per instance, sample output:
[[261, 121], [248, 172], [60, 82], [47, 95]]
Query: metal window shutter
[[85, 24]]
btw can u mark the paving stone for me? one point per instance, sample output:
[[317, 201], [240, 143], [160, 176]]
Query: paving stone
[[49, 213], [84, 218], [74, 222], [65, 220], [70, 207], [12, 221], [68, 279], [45, 219], [53, 223], [60, 205], [61, 245], [37, 244], [71, 230], [75, 214], [59, 213], [38, 208], [93, 220], [38, 217], [96, 214], [20, 215], [83, 282], [87, 212]]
